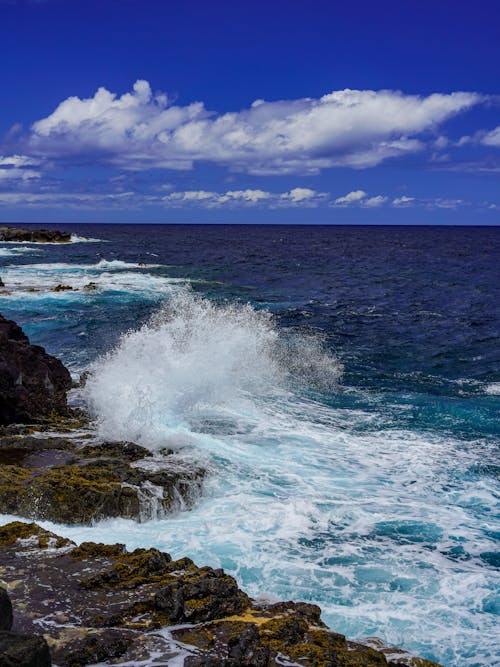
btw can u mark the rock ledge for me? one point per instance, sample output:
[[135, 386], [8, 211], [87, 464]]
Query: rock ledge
[[99, 603]]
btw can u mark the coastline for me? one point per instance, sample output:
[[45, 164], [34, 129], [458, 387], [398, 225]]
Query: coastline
[[348, 532], [55, 468]]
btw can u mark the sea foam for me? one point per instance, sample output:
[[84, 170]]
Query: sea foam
[[381, 527]]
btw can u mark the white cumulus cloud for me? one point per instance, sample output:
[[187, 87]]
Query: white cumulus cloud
[[142, 129], [375, 202], [353, 197], [492, 138], [249, 197]]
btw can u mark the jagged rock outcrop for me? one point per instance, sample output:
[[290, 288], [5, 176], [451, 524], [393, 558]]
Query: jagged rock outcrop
[[33, 383], [62, 480], [20, 235], [97, 603]]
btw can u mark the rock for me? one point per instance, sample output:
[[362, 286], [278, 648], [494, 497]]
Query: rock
[[95, 647], [19, 532], [2, 284], [19, 235], [61, 288], [54, 478], [97, 603], [23, 650], [128, 451], [33, 384], [5, 610]]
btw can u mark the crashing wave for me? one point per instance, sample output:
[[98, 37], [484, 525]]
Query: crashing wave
[[196, 358]]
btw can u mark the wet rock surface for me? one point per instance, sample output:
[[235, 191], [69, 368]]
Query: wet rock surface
[[33, 384], [23, 650], [19, 649], [101, 604], [20, 235], [5, 610], [66, 480]]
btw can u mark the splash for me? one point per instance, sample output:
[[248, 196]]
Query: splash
[[195, 362]]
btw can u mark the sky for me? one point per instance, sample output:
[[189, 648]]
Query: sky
[[250, 112]]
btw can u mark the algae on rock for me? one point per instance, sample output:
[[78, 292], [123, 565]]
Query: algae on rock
[[98, 602]]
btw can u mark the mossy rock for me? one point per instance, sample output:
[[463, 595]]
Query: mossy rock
[[70, 493], [101, 603], [126, 451], [52, 478], [17, 531], [177, 591], [93, 550]]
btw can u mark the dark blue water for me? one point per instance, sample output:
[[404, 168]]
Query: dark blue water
[[373, 493]]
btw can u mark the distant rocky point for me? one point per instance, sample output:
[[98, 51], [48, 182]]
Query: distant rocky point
[[19, 235]]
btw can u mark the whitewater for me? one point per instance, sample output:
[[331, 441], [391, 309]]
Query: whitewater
[[380, 506]]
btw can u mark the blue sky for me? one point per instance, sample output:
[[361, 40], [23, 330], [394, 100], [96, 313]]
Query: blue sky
[[301, 112]]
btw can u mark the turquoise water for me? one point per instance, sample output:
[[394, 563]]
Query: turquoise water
[[340, 384]]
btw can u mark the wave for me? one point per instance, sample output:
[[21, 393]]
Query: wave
[[38, 280], [196, 360], [493, 389], [13, 252], [101, 265], [75, 238]]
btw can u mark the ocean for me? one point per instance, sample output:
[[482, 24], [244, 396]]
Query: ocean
[[340, 384]]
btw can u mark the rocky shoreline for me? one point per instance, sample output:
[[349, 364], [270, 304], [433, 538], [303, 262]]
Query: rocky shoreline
[[9, 234], [99, 604]]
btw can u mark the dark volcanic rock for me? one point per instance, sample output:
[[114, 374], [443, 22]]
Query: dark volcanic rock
[[54, 478], [97, 603], [33, 384], [5, 610], [61, 288], [23, 650], [96, 646], [19, 235]]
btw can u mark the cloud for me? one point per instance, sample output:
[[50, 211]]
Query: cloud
[[295, 197], [492, 138], [89, 200], [351, 198], [375, 202], [360, 199], [403, 202], [18, 167], [142, 129], [36, 194]]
